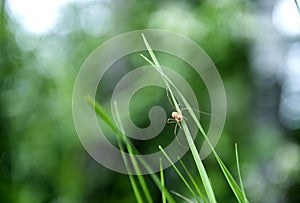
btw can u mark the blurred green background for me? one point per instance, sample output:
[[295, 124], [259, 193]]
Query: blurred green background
[[254, 44]]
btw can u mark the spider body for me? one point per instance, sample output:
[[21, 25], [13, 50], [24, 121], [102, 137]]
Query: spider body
[[177, 116]]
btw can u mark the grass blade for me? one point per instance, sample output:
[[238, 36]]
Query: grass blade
[[131, 178], [179, 174], [104, 116], [193, 181], [101, 113], [199, 164], [149, 49], [232, 183], [133, 160], [162, 181], [240, 195], [239, 173], [183, 197], [156, 180]]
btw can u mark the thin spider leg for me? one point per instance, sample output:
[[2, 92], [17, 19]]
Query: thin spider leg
[[202, 112], [171, 120], [170, 99], [171, 102], [175, 132]]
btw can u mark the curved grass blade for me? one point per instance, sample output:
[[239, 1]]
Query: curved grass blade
[[234, 186], [193, 181], [239, 173], [179, 174], [131, 178], [104, 116], [183, 197], [199, 164], [133, 160]]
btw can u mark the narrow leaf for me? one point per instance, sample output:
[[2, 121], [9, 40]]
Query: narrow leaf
[[192, 180], [179, 174], [162, 181]]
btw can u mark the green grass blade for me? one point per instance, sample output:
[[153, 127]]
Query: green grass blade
[[146, 59], [144, 187], [104, 116], [182, 197], [156, 180], [239, 173], [179, 174], [101, 113], [135, 189], [162, 181], [193, 181], [133, 160], [131, 178], [199, 164], [234, 186], [149, 49], [232, 183]]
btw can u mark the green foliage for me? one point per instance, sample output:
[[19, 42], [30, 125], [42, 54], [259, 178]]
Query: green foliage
[[240, 194], [41, 157], [122, 139]]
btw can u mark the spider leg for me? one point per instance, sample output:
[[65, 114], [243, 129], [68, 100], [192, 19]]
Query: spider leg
[[170, 99], [199, 111], [175, 132], [171, 102], [171, 120]]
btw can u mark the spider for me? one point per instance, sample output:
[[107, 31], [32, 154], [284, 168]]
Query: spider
[[176, 118]]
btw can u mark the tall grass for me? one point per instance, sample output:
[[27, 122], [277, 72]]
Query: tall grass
[[239, 193], [192, 186], [121, 139]]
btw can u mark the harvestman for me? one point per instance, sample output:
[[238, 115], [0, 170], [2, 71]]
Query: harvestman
[[177, 118]]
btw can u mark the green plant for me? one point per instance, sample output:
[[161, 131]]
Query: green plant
[[194, 187]]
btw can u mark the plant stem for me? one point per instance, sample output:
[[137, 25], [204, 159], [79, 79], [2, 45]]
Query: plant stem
[[199, 164]]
